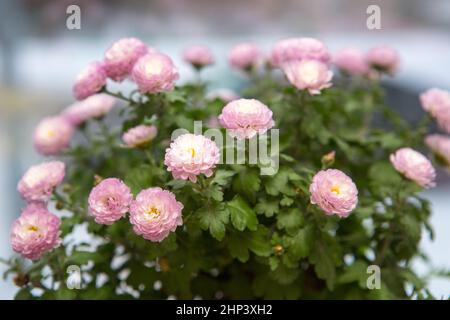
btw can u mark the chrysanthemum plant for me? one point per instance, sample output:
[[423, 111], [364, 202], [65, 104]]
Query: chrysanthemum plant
[[340, 216]]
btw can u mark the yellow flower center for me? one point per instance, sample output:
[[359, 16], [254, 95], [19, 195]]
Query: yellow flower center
[[33, 228], [192, 152], [152, 212], [50, 133], [336, 190]]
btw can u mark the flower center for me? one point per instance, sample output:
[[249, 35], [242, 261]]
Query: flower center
[[152, 212], [50, 133], [33, 228], [153, 67], [336, 190], [191, 151]]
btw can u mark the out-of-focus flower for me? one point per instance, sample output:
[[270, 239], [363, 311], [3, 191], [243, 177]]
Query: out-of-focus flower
[[308, 75], [352, 61], [190, 155], [226, 95], [89, 81], [244, 56], [95, 106], [139, 136], [109, 201], [440, 145], [334, 192], [52, 135], [414, 166], [121, 57], [298, 49], [435, 100], [155, 213], [198, 56], [244, 118], [35, 232], [155, 72], [384, 59], [38, 182]]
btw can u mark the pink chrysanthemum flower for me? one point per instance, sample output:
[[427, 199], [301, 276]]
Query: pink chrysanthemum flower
[[298, 49], [38, 182], [155, 213], [139, 136], [352, 61], [244, 118], [334, 192], [52, 135], [414, 166], [198, 56], [384, 58], [226, 95], [35, 232], [95, 106], [121, 57], [89, 81], [308, 75], [244, 56], [435, 100], [155, 72], [440, 145], [109, 201], [190, 155]]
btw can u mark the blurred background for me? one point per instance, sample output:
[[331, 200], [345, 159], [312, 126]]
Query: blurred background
[[39, 58]]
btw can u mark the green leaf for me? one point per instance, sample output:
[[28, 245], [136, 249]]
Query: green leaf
[[247, 183], [290, 218], [301, 243], [242, 215], [213, 218], [266, 207], [357, 272], [223, 177], [215, 192], [325, 256], [286, 201]]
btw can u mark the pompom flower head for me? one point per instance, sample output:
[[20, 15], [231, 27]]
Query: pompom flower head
[[155, 72], [139, 136], [121, 57], [414, 166], [38, 182], [52, 135], [35, 232], [155, 213], [244, 118], [95, 106], [190, 155], [308, 75], [352, 61], [435, 100], [384, 59], [89, 81], [298, 49], [244, 56], [198, 56], [440, 145], [334, 192], [109, 201]]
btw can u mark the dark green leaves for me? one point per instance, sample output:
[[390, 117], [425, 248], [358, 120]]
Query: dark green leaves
[[242, 216], [213, 218]]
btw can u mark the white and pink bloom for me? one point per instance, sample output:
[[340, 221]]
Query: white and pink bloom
[[52, 135], [155, 72], [352, 61], [244, 56], [109, 201], [435, 101], [334, 192], [89, 81], [139, 136], [190, 155], [311, 75], [414, 166], [440, 146], [35, 232], [121, 56], [384, 58], [38, 182], [155, 213], [293, 49], [198, 56], [95, 106], [244, 118]]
